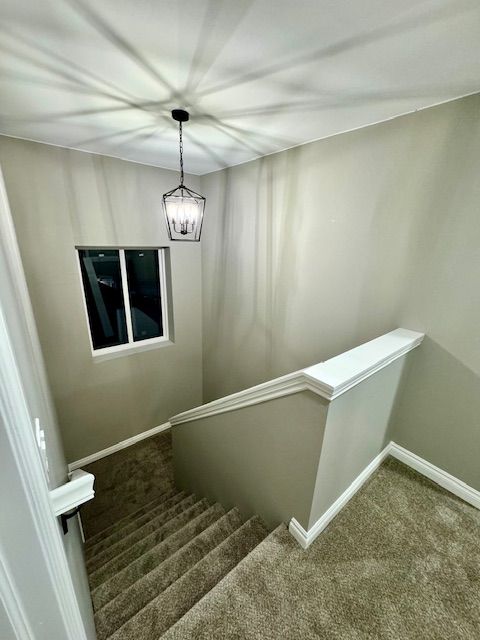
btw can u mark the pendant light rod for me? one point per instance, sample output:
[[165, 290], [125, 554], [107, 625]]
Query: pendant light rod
[[180, 131], [181, 116]]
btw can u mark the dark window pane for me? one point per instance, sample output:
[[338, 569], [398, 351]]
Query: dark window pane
[[144, 290], [102, 283]]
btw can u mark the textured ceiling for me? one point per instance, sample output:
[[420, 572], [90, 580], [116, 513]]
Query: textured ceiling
[[257, 76]]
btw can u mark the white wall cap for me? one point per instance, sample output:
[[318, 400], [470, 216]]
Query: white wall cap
[[327, 379]]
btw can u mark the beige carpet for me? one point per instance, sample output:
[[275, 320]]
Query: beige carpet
[[127, 480], [401, 561], [153, 552]]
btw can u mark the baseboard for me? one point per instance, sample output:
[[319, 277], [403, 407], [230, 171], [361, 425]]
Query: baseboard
[[439, 476], [427, 469], [305, 538], [118, 447]]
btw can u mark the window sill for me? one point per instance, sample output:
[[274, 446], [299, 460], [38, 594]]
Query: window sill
[[129, 349]]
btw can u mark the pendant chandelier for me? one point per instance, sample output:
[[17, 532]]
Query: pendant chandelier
[[182, 206]]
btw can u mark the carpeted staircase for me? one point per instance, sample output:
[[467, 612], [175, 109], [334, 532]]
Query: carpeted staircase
[[401, 560], [148, 569]]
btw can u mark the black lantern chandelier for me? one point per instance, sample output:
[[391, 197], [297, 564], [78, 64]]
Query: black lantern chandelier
[[182, 206]]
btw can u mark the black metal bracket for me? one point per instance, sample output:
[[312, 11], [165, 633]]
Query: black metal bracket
[[65, 517]]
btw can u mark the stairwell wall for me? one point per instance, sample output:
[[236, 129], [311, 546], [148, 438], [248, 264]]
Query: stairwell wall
[[261, 458], [24, 567], [357, 429], [6, 629], [438, 414], [62, 198], [311, 251]]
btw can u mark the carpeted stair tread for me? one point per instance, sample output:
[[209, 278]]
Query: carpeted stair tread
[[119, 610], [139, 534], [155, 556], [127, 480], [131, 554], [107, 516], [134, 525], [92, 541], [178, 598], [208, 619], [126, 486]]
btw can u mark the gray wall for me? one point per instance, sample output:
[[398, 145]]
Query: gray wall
[[291, 456], [59, 199], [303, 254], [261, 458], [357, 429], [6, 629], [20, 545], [439, 413], [312, 251]]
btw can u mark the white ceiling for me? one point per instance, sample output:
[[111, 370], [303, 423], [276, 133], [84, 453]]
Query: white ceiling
[[257, 76]]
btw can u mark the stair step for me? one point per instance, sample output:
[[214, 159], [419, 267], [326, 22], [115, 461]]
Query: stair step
[[211, 617], [137, 535], [120, 500], [131, 554], [119, 610], [92, 541], [127, 480], [178, 598], [133, 525], [150, 559]]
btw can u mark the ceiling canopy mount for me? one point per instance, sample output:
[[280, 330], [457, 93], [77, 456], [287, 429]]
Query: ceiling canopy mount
[[180, 115]]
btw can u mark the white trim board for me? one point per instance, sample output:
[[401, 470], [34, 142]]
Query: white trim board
[[439, 476], [305, 538], [427, 469], [327, 379], [118, 447], [73, 493]]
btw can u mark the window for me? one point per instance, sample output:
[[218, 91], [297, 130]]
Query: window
[[125, 297]]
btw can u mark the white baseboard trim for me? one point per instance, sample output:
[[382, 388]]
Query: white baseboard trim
[[305, 538], [439, 476], [118, 447], [429, 470]]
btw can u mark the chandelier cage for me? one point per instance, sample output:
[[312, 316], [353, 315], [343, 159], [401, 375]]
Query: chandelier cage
[[182, 206]]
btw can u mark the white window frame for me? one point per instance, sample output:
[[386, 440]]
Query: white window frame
[[131, 346]]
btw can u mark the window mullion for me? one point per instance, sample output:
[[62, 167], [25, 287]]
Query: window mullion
[[126, 297]]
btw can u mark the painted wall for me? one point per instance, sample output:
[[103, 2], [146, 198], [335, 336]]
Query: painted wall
[[21, 547], [312, 251], [303, 255], [6, 629], [439, 413], [62, 198], [291, 456], [262, 459], [358, 428]]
